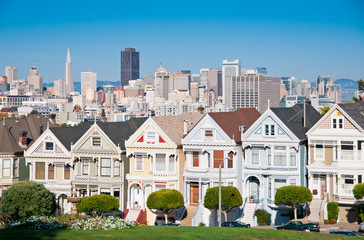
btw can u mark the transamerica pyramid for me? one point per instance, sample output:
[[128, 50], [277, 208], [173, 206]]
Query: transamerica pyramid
[[68, 79]]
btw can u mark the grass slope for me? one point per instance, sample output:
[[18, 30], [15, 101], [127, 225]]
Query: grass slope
[[151, 232]]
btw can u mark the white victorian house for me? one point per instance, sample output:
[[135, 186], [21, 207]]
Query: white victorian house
[[275, 155], [214, 141]]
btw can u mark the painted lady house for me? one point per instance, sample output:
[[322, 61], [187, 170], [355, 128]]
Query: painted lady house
[[214, 141], [336, 159], [156, 162], [275, 155]]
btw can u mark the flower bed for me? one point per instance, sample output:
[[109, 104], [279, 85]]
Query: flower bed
[[72, 222]]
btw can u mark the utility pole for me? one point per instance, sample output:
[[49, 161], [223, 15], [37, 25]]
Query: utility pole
[[219, 213]]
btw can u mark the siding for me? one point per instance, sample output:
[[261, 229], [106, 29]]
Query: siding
[[328, 154]]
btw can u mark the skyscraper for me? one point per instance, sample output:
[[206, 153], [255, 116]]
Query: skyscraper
[[35, 80], [88, 80], [229, 70], [59, 89], [68, 76], [12, 74], [129, 66]]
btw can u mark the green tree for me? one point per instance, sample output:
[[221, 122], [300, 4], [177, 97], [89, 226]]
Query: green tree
[[332, 210], [293, 196], [165, 200], [230, 199], [95, 203], [27, 198], [361, 91], [358, 190], [324, 110], [64, 125], [34, 112]]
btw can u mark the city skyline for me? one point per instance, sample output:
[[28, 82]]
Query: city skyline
[[303, 40]]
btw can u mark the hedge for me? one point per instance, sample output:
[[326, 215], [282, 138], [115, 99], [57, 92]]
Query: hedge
[[332, 210], [263, 217], [92, 204]]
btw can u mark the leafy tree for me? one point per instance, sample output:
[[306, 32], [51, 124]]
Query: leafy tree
[[34, 112], [165, 200], [293, 196], [95, 203], [27, 198], [263, 217], [230, 199], [358, 190], [361, 91], [324, 110], [64, 125]]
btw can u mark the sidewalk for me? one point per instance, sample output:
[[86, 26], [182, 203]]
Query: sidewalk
[[327, 227]]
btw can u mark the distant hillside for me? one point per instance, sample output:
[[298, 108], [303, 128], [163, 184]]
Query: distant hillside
[[77, 85], [347, 88]]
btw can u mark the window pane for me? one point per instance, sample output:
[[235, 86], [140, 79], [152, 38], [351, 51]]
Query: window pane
[[67, 172], [85, 166], [266, 129], [116, 168], [171, 163], [49, 146], [255, 155], [161, 162], [272, 132], [293, 158], [139, 162], [96, 141], [50, 171], [230, 160], [106, 167], [218, 158], [40, 170], [196, 159], [209, 133]]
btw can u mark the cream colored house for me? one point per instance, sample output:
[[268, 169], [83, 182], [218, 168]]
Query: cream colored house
[[156, 160], [336, 159]]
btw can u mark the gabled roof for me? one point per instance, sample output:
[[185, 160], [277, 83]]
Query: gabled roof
[[118, 132], [173, 126], [355, 111], [292, 117], [230, 121], [10, 130]]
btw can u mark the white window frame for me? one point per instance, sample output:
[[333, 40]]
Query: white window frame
[[323, 152], [136, 162], [337, 123], [15, 167], [280, 151], [257, 149], [292, 152], [151, 136], [8, 169], [85, 165], [117, 166], [105, 167], [45, 146], [165, 162], [173, 160], [93, 142]]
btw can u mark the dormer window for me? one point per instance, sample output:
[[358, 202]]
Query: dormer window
[[49, 146], [337, 123], [209, 133], [270, 130], [151, 136], [96, 141]]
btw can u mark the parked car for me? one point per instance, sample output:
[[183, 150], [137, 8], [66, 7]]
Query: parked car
[[361, 228], [299, 226], [172, 224], [344, 232], [235, 224]]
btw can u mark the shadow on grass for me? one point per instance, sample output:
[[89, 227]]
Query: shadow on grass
[[29, 234]]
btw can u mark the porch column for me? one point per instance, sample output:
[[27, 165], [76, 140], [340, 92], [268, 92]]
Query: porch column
[[328, 186], [200, 189]]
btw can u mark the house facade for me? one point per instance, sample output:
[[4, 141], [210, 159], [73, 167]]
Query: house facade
[[275, 155], [156, 160], [336, 159], [215, 141], [16, 136]]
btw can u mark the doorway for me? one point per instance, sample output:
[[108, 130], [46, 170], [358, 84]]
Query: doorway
[[194, 193]]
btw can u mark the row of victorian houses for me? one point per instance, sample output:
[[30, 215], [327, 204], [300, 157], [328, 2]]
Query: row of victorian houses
[[258, 154]]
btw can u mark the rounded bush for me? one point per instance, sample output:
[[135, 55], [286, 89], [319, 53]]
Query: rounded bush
[[92, 204], [333, 210], [358, 190], [263, 217], [25, 199], [230, 198], [165, 199]]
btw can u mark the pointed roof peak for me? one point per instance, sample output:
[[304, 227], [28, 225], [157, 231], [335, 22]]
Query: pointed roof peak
[[68, 56]]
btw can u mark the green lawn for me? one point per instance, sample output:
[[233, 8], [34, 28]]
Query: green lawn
[[160, 233]]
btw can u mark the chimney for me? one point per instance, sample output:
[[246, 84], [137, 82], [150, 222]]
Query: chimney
[[185, 126], [304, 114], [23, 139]]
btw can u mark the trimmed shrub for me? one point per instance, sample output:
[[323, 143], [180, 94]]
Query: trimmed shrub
[[332, 221], [326, 221], [361, 212], [332, 210], [25, 199], [358, 190], [202, 224], [92, 204], [292, 196], [263, 217]]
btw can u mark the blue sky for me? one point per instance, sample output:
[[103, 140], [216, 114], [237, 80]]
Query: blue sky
[[290, 38]]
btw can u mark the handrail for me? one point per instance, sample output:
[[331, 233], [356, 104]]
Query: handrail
[[181, 213], [196, 213], [241, 215]]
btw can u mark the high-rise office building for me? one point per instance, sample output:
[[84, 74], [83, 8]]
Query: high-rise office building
[[129, 66], [255, 90], [59, 88], [303, 88], [291, 85], [214, 81], [203, 77], [68, 75], [229, 70], [35, 81], [12, 74], [88, 80]]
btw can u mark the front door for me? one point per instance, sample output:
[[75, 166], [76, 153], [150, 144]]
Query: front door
[[194, 193], [323, 185]]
